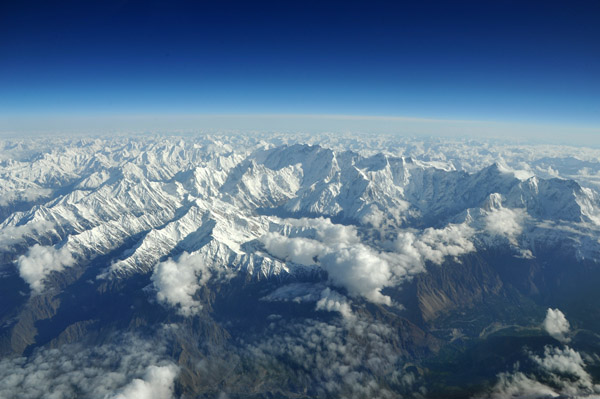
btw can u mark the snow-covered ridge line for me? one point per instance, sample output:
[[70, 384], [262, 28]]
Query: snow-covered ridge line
[[231, 202]]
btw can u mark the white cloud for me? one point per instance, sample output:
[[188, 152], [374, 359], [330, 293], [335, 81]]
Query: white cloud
[[298, 249], [156, 384], [518, 385], [373, 216], [504, 222], [331, 301], [334, 234], [337, 249], [176, 282], [39, 262], [325, 231], [359, 267], [564, 375], [556, 324], [361, 271], [411, 249], [120, 369], [567, 361], [436, 244], [324, 297], [11, 235]]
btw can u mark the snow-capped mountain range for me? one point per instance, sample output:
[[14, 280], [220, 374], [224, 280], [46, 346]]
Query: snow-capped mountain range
[[90, 198], [365, 214]]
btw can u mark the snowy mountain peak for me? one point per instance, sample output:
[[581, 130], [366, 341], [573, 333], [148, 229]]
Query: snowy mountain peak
[[154, 200]]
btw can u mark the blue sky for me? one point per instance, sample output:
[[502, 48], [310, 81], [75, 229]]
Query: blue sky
[[515, 62]]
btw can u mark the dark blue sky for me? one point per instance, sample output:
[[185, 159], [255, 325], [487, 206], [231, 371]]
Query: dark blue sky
[[510, 61]]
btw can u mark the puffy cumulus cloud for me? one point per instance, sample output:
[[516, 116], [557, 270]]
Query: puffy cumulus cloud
[[122, 369], [40, 261], [388, 216], [359, 266], [518, 385], [411, 249], [353, 266], [505, 222], [331, 301], [567, 367], [435, 245], [562, 370], [304, 251], [523, 173], [359, 270], [326, 231], [556, 324], [176, 282], [156, 384], [373, 216]]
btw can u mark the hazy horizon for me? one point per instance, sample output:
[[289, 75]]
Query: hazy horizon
[[17, 126], [468, 68]]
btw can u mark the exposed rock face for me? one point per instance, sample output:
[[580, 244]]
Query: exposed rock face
[[449, 287]]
